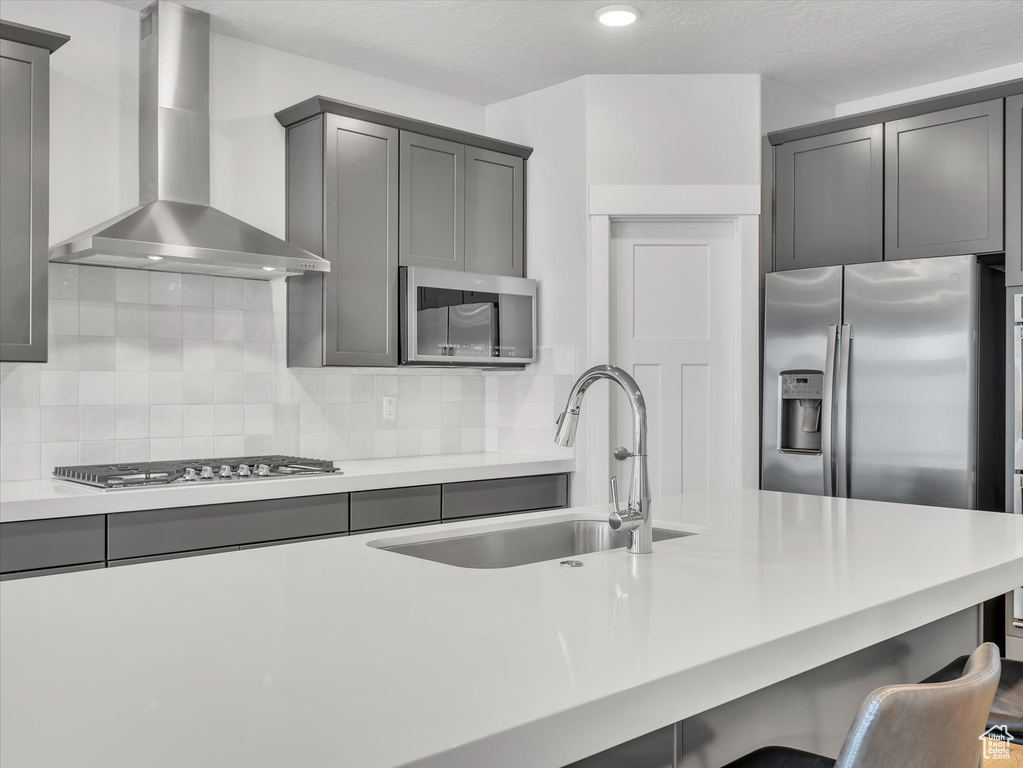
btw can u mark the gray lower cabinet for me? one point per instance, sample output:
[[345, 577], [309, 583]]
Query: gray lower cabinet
[[496, 497], [62, 545], [24, 190], [166, 531], [1014, 190], [432, 202], [395, 507], [57, 543], [494, 219], [342, 189], [829, 199], [943, 182]]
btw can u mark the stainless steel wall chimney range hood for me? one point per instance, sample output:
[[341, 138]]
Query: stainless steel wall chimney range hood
[[174, 229]]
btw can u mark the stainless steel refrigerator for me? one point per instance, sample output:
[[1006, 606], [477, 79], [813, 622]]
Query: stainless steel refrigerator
[[885, 381]]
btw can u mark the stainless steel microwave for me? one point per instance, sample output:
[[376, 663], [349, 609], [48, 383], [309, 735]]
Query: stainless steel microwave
[[466, 318]]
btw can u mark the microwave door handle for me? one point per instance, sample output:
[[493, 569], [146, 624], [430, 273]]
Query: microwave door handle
[[827, 417], [842, 412]]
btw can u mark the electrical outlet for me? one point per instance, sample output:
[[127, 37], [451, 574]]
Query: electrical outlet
[[390, 408]]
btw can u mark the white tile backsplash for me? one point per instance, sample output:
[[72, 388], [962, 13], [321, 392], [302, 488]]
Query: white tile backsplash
[[160, 366]]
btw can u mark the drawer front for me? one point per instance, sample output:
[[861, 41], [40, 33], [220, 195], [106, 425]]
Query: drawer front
[[512, 494], [35, 544], [162, 531], [50, 571], [394, 507]]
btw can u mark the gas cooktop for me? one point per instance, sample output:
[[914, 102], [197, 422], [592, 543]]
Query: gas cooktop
[[234, 469]]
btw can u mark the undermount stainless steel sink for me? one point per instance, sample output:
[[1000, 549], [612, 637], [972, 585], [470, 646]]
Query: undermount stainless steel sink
[[520, 546]]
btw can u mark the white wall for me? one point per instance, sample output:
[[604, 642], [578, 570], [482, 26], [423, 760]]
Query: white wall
[[94, 114], [782, 106], [249, 83], [939, 88], [93, 110], [673, 129]]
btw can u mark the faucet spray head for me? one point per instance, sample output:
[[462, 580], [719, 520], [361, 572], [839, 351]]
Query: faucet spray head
[[567, 422]]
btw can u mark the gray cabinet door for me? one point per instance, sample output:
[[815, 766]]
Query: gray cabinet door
[[829, 199], [943, 183], [360, 237], [496, 497], [493, 213], [53, 543], [1014, 190], [24, 180], [164, 531], [343, 205], [395, 507], [432, 203]]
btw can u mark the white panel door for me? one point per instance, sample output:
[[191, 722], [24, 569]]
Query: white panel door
[[674, 326]]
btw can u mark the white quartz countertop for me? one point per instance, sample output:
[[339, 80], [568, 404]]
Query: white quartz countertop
[[335, 653], [37, 499]]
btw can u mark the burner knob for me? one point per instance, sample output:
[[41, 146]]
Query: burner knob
[[225, 470], [206, 473], [243, 470], [190, 474], [263, 470]]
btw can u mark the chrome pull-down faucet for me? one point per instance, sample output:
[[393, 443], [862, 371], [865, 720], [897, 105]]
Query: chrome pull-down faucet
[[635, 518]]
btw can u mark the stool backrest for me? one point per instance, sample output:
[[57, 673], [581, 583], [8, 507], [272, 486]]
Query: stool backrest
[[926, 725]]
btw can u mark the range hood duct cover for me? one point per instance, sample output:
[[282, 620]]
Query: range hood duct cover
[[174, 229]]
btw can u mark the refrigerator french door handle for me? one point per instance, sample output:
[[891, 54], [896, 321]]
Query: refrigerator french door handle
[[827, 413], [1017, 407], [841, 447]]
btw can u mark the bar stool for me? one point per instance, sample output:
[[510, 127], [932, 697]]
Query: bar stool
[[909, 726], [1007, 709]]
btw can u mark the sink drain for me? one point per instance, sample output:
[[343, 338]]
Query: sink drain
[[571, 564]]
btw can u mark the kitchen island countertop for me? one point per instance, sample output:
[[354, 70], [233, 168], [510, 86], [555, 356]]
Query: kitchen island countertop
[[336, 653]]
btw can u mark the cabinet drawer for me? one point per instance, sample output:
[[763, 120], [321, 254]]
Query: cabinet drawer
[[394, 507], [511, 494], [35, 544], [162, 531]]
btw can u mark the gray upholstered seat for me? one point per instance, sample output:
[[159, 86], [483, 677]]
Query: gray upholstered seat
[[909, 726]]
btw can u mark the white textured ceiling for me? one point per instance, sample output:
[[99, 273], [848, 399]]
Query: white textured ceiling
[[489, 50]]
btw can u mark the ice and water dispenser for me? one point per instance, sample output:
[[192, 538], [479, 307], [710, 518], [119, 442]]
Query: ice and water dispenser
[[799, 411]]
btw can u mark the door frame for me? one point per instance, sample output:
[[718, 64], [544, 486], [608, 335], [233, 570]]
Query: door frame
[[739, 204]]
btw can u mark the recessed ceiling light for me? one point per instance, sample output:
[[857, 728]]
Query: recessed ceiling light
[[269, 269], [155, 258], [617, 15]]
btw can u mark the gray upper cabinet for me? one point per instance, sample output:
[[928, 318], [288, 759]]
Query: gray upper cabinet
[[343, 205], [829, 199], [371, 191], [432, 203], [24, 189], [943, 182], [493, 212], [1014, 190]]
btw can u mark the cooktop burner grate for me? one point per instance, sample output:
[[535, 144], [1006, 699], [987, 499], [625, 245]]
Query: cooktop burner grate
[[236, 468]]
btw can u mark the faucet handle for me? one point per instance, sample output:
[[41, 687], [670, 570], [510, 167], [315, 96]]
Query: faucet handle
[[614, 493]]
